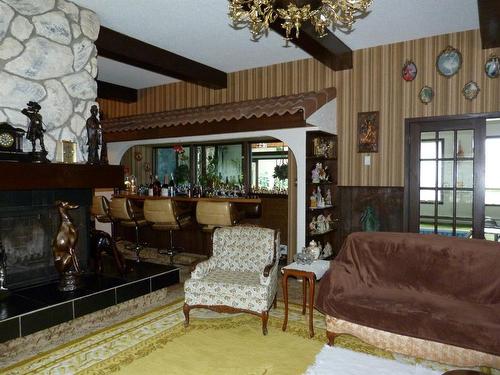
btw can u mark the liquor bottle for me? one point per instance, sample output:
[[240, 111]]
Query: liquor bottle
[[164, 187], [171, 185], [150, 187], [156, 187]]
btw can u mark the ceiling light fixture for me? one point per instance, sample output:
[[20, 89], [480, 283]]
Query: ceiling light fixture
[[258, 15]]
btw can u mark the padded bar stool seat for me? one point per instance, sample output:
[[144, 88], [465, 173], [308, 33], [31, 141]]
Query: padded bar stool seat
[[165, 216], [212, 215], [121, 211], [100, 209]]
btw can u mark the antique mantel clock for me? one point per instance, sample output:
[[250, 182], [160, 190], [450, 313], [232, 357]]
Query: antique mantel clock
[[11, 143]]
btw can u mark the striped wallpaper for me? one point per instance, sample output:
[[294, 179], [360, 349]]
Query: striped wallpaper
[[374, 84]]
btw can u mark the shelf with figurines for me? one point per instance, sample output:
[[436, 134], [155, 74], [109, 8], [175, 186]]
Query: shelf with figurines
[[317, 201], [321, 225], [320, 175], [323, 147]]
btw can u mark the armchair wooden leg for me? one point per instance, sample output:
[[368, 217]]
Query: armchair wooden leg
[[331, 337], [186, 309], [265, 317]]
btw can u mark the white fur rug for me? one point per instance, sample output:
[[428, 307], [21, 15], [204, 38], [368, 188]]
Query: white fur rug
[[334, 360]]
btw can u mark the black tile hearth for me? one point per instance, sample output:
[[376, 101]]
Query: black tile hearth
[[45, 318], [94, 302], [15, 305], [132, 290], [32, 309], [9, 329], [164, 280]]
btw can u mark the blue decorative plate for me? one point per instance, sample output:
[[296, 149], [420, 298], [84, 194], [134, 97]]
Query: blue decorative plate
[[449, 62]]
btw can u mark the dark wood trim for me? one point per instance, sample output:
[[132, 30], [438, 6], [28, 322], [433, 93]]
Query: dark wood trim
[[31, 176], [329, 50], [131, 51], [489, 23], [215, 127], [107, 90]]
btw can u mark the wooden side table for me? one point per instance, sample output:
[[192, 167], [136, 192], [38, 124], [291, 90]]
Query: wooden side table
[[309, 273]]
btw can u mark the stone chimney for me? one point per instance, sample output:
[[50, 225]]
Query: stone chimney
[[47, 54]]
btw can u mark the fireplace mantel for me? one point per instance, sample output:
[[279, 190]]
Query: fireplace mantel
[[34, 176]]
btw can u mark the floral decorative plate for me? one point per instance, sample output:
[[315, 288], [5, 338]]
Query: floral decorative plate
[[409, 71], [449, 62], [426, 94], [492, 66], [471, 90]]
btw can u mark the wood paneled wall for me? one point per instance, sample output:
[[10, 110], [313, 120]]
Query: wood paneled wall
[[373, 84]]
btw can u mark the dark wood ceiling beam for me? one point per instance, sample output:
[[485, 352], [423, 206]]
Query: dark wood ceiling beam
[[131, 51], [489, 23], [106, 90]]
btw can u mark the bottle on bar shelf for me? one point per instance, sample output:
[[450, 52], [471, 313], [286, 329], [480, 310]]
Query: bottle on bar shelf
[[150, 187], [156, 187], [164, 187], [171, 185]]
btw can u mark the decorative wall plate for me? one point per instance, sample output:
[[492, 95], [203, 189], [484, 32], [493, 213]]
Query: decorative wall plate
[[492, 66], [409, 71], [449, 62], [471, 90], [426, 94]]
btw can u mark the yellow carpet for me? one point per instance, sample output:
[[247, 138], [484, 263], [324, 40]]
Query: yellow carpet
[[158, 343]]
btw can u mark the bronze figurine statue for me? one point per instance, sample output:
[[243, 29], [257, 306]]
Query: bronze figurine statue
[[94, 135], [102, 242], [64, 250], [35, 131]]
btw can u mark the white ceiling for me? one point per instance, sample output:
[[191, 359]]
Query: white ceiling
[[200, 30]]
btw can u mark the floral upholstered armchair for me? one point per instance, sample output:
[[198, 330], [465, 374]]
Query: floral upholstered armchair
[[241, 276]]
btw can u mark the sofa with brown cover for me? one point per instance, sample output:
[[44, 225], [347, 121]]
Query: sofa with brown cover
[[427, 296]]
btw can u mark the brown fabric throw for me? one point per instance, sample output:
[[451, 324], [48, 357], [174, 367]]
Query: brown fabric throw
[[431, 287]]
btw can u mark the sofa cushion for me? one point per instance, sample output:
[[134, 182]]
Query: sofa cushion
[[426, 286]]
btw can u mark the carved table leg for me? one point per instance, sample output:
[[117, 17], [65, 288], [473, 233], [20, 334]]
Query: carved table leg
[[304, 295], [285, 298], [311, 304]]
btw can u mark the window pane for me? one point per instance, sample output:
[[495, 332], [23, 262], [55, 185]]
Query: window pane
[[268, 160], [428, 173], [465, 143], [465, 174], [428, 145], [446, 144]]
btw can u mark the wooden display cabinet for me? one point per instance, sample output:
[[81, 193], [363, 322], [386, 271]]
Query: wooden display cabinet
[[322, 211]]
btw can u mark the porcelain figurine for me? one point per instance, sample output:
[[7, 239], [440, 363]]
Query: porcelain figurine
[[314, 201], [316, 173], [328, 198], [327, 251], [314, 249]]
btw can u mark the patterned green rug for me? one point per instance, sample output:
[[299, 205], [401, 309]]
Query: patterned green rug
[[158, 343]]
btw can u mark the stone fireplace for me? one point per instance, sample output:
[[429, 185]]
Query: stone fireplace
[[48, 55], [28, 224], [29, 219]]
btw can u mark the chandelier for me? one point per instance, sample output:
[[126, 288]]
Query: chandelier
[[257, 15]]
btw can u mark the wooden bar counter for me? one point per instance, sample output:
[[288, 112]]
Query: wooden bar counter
[[191, 237]]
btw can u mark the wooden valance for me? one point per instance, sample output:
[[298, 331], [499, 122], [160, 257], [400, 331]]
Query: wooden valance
[[262, 114]]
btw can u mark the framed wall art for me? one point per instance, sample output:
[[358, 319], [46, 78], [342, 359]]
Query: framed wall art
[[449, 62], [368, 129], [492, 66], [426, 94], [409, 72], [471, 90]]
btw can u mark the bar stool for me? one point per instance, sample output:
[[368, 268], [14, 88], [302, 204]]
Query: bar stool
[[121, 211], [99, 211], [165, 216], [212, 215]]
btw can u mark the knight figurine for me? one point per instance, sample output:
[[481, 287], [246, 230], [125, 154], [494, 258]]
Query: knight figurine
[[35, 131]]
